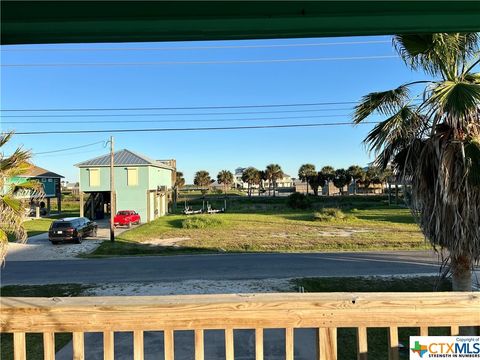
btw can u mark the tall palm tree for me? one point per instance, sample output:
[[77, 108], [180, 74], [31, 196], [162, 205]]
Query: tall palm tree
[[315, 181], [202, 179], [357, 174], [432, 136], [12, 207], [225, 177], [341, 178], [305, 172], [179, 180], [251, 176], [274, 172], [326, 175], [179, 183]]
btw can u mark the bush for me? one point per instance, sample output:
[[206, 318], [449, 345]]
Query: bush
[[298, 201], [202, 222], [330, 214]]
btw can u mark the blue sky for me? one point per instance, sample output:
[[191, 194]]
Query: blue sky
[[187, 85]]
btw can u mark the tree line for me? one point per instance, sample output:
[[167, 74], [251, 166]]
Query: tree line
[[307, 173], [342, 177]]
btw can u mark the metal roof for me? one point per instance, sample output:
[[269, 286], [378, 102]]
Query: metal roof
[[38, 172], [123, 157]]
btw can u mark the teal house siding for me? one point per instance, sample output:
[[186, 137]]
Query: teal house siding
[[147, 192]]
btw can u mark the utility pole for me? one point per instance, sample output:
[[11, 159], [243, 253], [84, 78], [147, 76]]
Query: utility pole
[[112, 192]]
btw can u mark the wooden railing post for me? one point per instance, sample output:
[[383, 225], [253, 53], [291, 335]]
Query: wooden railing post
[[393, 353], [48, 346], [78, 345], [108, 345], [362, 343], [258, 344], [19, 349], [199, 345], [289, 344], [424, 331], [229, 350], [327, 343], [169, 344], [138, 349], [454, 330]]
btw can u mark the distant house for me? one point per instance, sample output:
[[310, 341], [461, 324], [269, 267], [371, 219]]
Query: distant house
[[50, 182], [141, 184], [71, 188]]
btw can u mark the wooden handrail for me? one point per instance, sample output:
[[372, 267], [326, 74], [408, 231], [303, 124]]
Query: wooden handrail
[[326, 312], [249, 311]]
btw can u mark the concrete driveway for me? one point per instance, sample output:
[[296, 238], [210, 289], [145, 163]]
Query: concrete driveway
[[39, 248]]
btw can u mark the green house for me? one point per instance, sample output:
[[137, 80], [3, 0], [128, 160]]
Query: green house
[[51, 187], [141, 184]]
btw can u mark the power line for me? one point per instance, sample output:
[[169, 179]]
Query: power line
[[67, 149], [171, 114], [178, 120], [190, 129], [206, 62], [212, 47], [67, 154], [190, 107]]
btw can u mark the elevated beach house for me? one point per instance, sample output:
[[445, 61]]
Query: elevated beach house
[[141, 184], [51, 188]]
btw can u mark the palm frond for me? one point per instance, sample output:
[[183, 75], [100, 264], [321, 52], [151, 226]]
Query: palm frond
[[472, 156], [436, 54], [455, 101], [384, 102], [403, 125], [5, 137]]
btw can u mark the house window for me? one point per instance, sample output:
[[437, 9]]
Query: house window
[[132, 176], [94, 177]]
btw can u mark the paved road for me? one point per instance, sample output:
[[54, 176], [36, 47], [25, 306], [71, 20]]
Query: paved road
[[217, 267]]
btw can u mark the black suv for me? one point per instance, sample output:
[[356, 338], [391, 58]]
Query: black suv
[[71, 229]]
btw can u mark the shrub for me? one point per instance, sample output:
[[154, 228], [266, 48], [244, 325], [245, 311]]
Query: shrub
[[330, 214], [202, 222], [298, 201]]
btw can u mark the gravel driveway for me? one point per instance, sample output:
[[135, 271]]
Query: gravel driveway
[[39, 248]]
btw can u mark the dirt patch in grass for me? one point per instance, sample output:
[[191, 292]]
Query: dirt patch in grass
[[176, 241]]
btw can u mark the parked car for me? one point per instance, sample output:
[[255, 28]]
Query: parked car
[[126, 217], [71, 229]]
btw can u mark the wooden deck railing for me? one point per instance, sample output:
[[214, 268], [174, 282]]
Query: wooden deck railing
[[325, 312]]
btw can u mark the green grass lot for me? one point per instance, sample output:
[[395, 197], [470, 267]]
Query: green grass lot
[[35, 341], [269, 225], [377, 337]]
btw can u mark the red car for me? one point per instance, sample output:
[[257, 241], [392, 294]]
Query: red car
[[126, 217]]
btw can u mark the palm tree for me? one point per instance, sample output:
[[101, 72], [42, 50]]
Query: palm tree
[[202, 179], [251, 176], [274, 172], [225, 177], [179, 180], [342, 178], [262, 174], [326, 175], [315, 181], [357, 174], [305, 172], [433, 141], [179, 183], [12, 207]]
